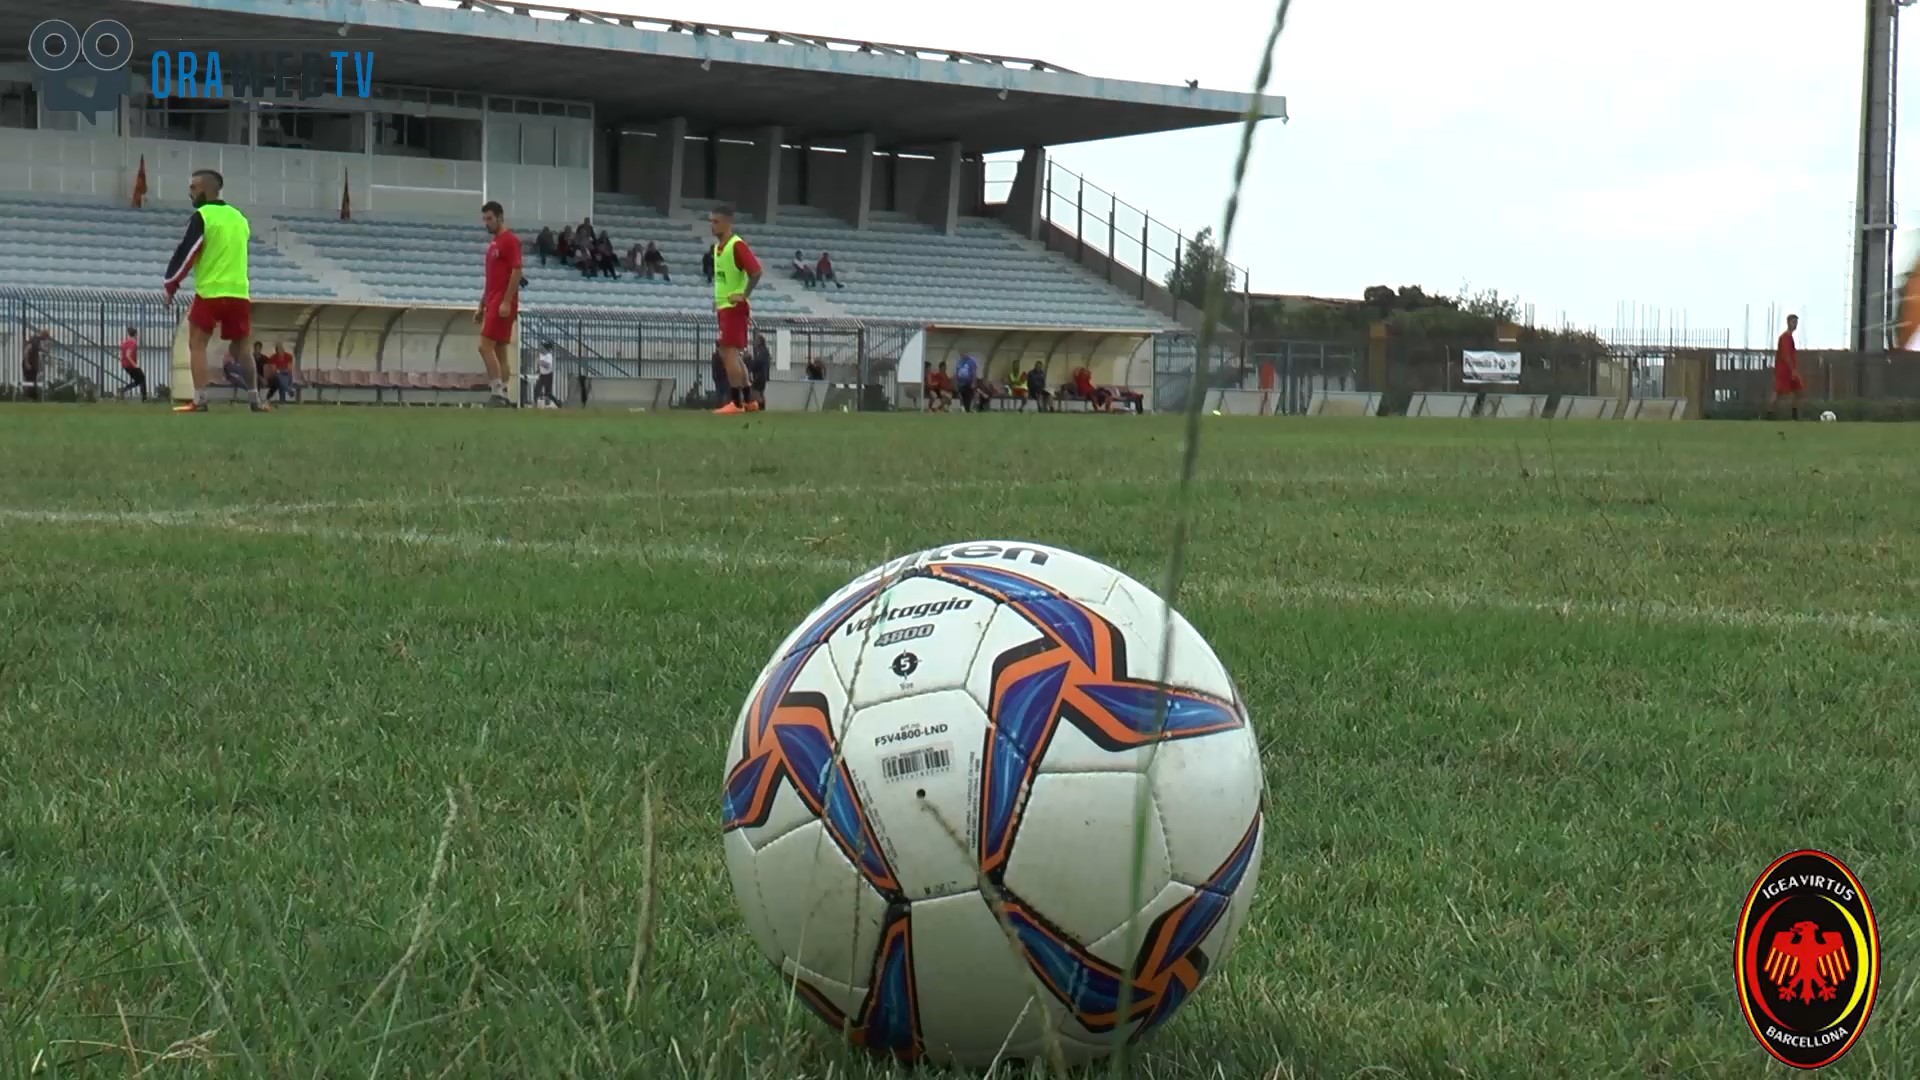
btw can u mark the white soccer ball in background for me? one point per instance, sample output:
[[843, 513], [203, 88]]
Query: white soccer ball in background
[[1828, 417], [933, 794]]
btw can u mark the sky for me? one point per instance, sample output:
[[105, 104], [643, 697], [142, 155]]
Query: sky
[[1642, 164]]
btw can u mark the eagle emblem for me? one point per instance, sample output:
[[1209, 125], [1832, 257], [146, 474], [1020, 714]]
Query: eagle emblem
[[1807, 963]]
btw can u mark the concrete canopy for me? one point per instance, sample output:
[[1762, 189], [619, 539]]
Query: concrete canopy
[[637, 70]]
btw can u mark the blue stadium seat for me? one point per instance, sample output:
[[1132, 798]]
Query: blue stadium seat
[[897, 269], [102, 246]]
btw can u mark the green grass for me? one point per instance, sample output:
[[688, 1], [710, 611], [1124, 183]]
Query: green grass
[[328, 739]]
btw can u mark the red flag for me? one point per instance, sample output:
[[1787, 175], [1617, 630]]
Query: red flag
[[140, 184], [346, 203]]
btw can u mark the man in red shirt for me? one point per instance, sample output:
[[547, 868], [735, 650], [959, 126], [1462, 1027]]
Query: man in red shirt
[[130, 364], [282, 362], [499, 299], [1786, 370]]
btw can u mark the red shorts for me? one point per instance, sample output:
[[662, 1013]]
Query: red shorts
[[232, 315], [1787, 381], [733, 326], [492, 326]]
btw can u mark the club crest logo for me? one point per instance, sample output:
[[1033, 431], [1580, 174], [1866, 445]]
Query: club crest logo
[[1807, 955]]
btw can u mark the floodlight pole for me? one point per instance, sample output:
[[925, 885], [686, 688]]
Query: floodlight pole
[[1871, 322]]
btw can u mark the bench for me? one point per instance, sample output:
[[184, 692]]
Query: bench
[[649, 392], [361, 385], [1228, 401], [795, 395], [1656, 409], [1515, 406], [1343, 403], [1451, 406], [1585, 407]]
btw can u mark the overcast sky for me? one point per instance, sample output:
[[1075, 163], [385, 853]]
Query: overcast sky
[[1695, 160]]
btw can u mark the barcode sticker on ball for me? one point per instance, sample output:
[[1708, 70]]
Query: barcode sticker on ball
[[912, 763]]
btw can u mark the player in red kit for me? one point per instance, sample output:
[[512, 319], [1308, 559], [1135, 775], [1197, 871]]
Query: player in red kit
[[499, 300], [1786, 371]]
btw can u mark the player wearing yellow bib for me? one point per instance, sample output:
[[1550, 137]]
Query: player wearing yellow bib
[[735, 272], [215, 252]]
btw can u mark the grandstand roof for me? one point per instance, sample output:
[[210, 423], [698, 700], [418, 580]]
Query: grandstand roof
[[721, 78]]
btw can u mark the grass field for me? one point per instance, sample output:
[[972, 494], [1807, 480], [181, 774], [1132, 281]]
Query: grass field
[[328, 739]]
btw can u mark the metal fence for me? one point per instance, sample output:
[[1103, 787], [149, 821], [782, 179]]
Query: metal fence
[[84, 329], [592, 344]]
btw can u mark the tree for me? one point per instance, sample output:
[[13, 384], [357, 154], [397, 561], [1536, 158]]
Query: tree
[[1198, 268]]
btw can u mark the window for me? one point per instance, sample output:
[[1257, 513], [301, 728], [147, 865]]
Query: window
[[188, 120], [19, 105], [446, 138], [313, 129]]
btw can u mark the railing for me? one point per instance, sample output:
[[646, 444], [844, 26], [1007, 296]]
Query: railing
[[85, 327], [1123, 233]]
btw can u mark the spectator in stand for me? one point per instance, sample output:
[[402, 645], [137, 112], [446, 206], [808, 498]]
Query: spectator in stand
[[604, 257], [563, 246], [816, 369], [760, 366], [544, 244], [706, 264], [653, 262], [823, 271], [583, 258], [130, 365], [282, 362], [801, 270], [966, 378], [583, 234], [39, 353], [1037, 389], [939, 389]]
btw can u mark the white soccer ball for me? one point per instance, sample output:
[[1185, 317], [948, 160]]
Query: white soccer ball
[[933, 794], [1828, 417]]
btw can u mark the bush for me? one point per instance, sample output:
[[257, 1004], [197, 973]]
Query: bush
[[8, 392], [1887, 410], [162, 392]]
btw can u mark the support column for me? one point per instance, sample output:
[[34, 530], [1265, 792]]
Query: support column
[[665, 187], [940, 206], [1024, 210], [853, 200], [633, 162], [764, 203]]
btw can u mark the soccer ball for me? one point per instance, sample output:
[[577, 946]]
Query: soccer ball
[[935, 795], [1828, 417]]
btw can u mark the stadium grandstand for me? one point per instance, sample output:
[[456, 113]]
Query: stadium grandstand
[[365, 208]]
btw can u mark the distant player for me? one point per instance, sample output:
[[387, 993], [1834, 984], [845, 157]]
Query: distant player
[[543, 382], [130, 364], [499, 300], [215, 252], [735, 273], [1786, 371]]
